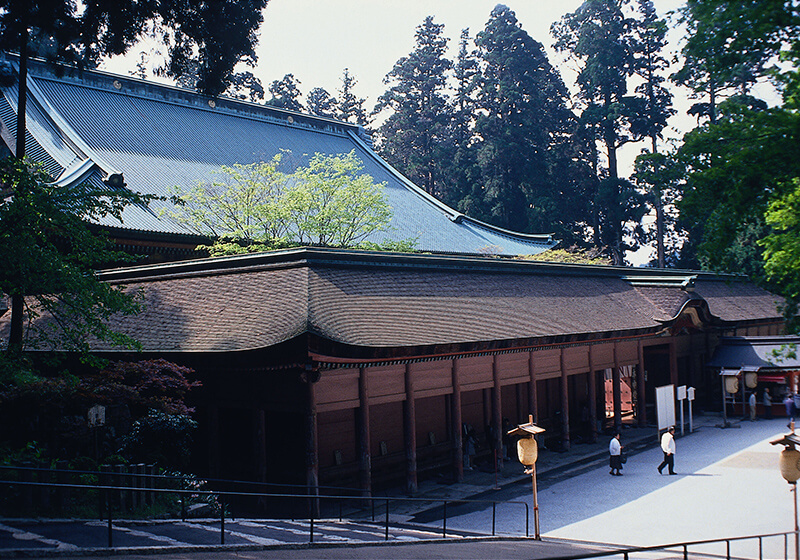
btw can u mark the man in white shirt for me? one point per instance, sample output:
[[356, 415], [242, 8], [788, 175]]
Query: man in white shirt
[[668, 447]]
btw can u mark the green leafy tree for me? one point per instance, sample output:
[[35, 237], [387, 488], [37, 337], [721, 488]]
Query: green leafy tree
[[243, 204], [350, 107], [735, 168], [330, 202], [602, 38], [782, 250], [412, 136], [62, 30], [524, 130], [49, 254], [286, 93], [728, 45], [258, 207]]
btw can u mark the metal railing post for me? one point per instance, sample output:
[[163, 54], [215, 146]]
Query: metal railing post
[[685, 552], [444, 521], [494, 515], [110, 532], [221, 519], [527, 521], [387, 519], [760, 549], [311, 527], [727, 549]]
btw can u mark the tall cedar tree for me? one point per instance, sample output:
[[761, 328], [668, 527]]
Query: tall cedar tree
[[650, 67], [603, 40], [460, 167], [215, 34], [412, 136], [525, 149], [286, 93], [350, 107], [319, 102]]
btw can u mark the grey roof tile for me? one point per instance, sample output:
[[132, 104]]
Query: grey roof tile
[[160, 137]]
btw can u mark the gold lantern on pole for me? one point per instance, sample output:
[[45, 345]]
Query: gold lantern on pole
[[790, 471], [528, 452]]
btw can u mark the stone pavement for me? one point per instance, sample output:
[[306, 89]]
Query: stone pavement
[[484, 483]]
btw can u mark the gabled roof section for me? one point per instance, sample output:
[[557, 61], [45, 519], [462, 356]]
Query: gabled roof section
[[94, 126], [757, 352]]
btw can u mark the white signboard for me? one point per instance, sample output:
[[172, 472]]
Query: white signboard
[[665, 406], [681, 392]]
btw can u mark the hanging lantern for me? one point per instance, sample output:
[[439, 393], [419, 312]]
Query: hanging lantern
[[527, 451], [751, 379], [731, 384], [790, 464]]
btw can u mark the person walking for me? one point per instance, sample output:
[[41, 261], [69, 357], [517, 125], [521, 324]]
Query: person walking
[[615, 455], [668, 447], [788, 402], [752, 403]]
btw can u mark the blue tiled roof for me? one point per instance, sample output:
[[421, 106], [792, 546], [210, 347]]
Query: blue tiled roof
[[91, 125]]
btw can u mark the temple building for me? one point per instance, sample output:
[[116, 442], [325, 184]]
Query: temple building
[[330, 367]]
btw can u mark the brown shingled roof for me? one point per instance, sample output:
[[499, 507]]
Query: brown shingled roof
[[382, 300]]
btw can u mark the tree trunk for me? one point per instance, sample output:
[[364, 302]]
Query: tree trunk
[[17, 300]]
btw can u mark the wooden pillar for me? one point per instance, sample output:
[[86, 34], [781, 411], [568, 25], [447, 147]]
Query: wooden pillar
[[673, 364], [565, 439], [213, 441], [410, 434], [364, 440], [497, 414], [616, 389], [457, 431], [260, 447], [312, 446], [641, 389], [260, 435], [533, 396], [673, 377], [592, 396]]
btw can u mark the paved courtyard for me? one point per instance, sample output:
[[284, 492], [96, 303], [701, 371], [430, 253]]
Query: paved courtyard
[[728, 484]]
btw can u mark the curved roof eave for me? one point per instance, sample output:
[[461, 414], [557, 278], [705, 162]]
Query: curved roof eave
[[545, 239]]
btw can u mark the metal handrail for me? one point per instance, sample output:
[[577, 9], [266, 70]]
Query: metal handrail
[[626, 552], [223, 495], [186, 477]]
